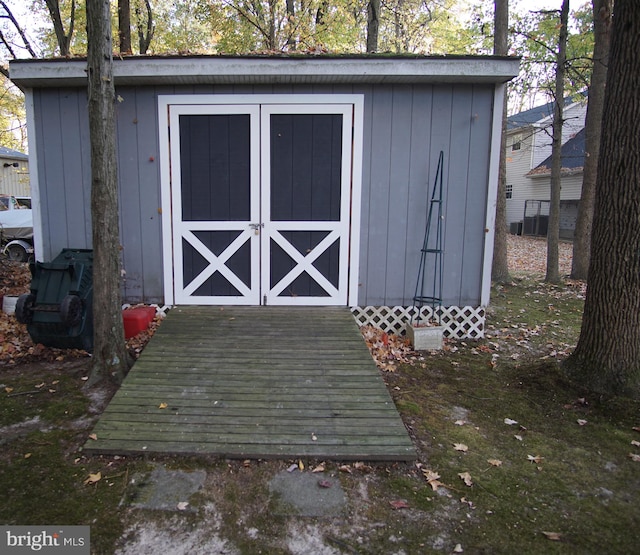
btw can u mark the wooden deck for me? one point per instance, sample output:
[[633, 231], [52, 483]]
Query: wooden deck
[[255, 382]]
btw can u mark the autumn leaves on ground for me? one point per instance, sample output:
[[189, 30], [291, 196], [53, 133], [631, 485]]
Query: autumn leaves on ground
[[512, 457]]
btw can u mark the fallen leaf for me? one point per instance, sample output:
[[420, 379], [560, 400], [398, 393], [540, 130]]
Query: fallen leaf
[[400, 504], [510, 422], [466, 478], [163, 406], [40, 385], [182, 506], [94, 437], [301, 465], [635, 443], [27, 455], [324, 484], [554, 536], [345, 468], [432, 479], [460, 447], [246, 463], [636, 428], [634, 457], [320, 468], [8, 389], [537, 459], [519, 438], [494, 462], [93, 478], [581, 422], [458, 549], [459, 422]]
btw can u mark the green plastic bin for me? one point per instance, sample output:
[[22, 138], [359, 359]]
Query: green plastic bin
[[58, 311]]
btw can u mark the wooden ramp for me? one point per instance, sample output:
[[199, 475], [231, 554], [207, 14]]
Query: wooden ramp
[[255, 382]]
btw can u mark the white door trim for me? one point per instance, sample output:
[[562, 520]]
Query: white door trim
[[200, 103]]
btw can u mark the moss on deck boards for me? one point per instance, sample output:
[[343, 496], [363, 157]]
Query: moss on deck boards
[[255, 382]]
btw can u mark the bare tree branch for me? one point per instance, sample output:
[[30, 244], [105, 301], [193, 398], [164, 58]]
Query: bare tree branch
[[22, 34]]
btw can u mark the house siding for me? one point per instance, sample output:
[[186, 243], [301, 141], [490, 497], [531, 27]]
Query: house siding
[[536, 147], [405, 128]]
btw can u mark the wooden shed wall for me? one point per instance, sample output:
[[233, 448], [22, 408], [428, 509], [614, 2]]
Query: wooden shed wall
[[405, 127]]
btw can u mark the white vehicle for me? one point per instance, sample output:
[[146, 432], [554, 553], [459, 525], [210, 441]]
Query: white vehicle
[[16, 228]]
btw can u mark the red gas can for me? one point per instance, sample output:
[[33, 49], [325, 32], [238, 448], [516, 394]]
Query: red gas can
[[137, 319]]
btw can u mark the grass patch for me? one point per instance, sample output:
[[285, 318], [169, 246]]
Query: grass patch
[[564, 460]]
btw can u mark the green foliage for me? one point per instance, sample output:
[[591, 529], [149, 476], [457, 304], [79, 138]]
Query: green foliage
[[184, 27], [535, 38], [427, 27], [13, 132]]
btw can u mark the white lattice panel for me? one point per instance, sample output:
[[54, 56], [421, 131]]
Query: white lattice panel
[[459, 321]]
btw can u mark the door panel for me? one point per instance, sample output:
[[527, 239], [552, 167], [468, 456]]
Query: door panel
[[215, 202], [306, 180]]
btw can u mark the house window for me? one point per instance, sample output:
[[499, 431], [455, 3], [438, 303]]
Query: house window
[[516, 144], [509, 191]]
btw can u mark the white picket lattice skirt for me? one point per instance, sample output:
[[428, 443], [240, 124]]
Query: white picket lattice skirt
[[462, 322]]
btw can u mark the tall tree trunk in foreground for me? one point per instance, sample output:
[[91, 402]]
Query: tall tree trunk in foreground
[[110, 357], [607, 357], [500, 265], [593, 124], [553, 231]]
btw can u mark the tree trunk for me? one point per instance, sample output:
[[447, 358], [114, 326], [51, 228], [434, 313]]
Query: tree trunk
[[110, 358], [124, 26], [291, 25], [607, 357], [145, 29], [593, 124], [553, 232], [64, 40], [373, 25], [500, 265]]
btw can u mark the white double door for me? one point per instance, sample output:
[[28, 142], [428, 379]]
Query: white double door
[[260, 200]]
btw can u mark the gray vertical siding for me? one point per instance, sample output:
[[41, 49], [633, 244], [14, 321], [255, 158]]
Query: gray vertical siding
[[405, 127], [64, 168], [405, 130]]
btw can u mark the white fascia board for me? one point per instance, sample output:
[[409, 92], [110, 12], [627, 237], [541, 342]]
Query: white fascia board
[[196, 70]]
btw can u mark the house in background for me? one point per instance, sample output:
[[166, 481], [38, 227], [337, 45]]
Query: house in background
[[14, 173], [280, 180], [528, 158]]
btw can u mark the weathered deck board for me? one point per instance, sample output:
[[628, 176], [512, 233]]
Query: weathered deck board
[[255, 382]]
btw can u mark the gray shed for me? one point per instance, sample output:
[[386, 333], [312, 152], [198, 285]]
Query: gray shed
[[280, 180]]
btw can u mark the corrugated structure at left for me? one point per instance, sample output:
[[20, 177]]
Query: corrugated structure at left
[[280, 181]]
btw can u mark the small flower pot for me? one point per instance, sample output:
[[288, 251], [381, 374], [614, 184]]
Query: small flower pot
[[424, 337]]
